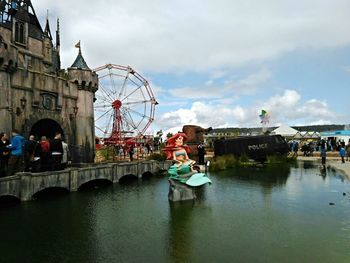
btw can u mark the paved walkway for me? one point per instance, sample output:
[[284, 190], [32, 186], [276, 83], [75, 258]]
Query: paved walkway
[[333, 162]]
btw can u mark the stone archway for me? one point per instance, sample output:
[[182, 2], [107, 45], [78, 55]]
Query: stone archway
[[46, 127]]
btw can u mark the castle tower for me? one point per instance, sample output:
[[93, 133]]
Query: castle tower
[[86, 82]]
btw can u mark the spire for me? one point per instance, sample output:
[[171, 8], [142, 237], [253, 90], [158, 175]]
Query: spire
[[47, 31], [79, 61], [58, 39]]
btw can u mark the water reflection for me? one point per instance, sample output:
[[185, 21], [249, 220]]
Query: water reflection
[[323, 172], [50, 230], [267, 177], [307, 164], [267, 214], [191, 225], [201, 192], [180, 233]]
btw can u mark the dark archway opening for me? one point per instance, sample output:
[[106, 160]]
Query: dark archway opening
[[95, 184], [8, 201], [46, 127], [128, 179], [147, 175], [50, 193]]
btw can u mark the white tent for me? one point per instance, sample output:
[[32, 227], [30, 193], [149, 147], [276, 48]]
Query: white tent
[[285, 131]]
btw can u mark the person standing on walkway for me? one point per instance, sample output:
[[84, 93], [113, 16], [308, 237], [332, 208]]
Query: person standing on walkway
[[16, 162], [45, 153], [56, 151], [131, 153], [342, 154], [148, 147], [347, 148], [65, 155], [4, 154], [201, 153], [141, 151], [31, 150], [295, 149]]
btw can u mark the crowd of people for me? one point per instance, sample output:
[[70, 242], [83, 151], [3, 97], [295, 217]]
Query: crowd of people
[[130, 149], [323, 146], [31, 155]]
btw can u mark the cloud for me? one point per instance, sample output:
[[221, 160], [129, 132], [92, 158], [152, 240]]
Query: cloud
[[287, 108], [222, 40], [168, 36], [231, 87]]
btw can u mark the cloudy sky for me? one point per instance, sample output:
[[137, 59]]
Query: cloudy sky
[[218, 63]]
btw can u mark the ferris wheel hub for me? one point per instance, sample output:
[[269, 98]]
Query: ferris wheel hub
[[116, 104]]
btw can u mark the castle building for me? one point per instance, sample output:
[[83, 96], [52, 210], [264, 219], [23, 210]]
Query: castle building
[[37, 96]]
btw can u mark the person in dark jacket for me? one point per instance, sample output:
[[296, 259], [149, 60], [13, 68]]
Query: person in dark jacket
[[56, 151], [201, 153], [131, 153], [32, 151], [4, 154]]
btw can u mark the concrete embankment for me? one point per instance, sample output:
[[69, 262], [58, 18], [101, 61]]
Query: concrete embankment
[[332, 162]]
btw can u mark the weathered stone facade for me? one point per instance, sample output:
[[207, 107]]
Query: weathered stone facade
[[36, 95]]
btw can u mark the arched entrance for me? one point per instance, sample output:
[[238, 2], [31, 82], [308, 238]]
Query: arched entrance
[[46, 127]]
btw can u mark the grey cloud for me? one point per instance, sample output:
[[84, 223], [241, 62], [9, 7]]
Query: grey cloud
[[232, 88], [287, 108], [172, 36]]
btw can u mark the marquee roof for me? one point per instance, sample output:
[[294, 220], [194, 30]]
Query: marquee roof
[[285, 130]]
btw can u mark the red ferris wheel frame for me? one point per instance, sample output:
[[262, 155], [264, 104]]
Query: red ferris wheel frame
[[119, 102]]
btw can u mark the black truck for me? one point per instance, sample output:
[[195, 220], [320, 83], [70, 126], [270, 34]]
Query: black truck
[[255, 147]]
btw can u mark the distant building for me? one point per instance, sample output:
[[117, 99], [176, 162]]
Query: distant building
[[36, 95], [290, 133], [336, 135], [286, 131]]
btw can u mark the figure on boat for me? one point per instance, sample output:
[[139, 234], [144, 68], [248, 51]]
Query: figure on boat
[[182, 176]]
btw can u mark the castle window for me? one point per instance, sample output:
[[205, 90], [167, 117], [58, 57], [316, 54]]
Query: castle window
[[19, 32]]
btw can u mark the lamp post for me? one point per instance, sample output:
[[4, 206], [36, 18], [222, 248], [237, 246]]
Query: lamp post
[[23, 103], [75, 112]]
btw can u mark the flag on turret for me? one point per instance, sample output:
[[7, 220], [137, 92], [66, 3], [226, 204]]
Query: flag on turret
[[77, 45]]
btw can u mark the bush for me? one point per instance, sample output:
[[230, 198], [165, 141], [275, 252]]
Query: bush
[[217, 165], [243, 158], [230, 161], [157, 156], [104, 153], [279, 159], [222, 163]]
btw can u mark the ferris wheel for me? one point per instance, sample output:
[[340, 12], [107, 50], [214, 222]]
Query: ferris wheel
[[124, 106]]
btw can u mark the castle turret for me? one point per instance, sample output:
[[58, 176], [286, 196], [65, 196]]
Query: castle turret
[[86, 82], [47, 47]]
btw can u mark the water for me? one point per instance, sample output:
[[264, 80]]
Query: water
[[246, 215]]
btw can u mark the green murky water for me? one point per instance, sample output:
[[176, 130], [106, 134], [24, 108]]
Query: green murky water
[[246, 215]]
